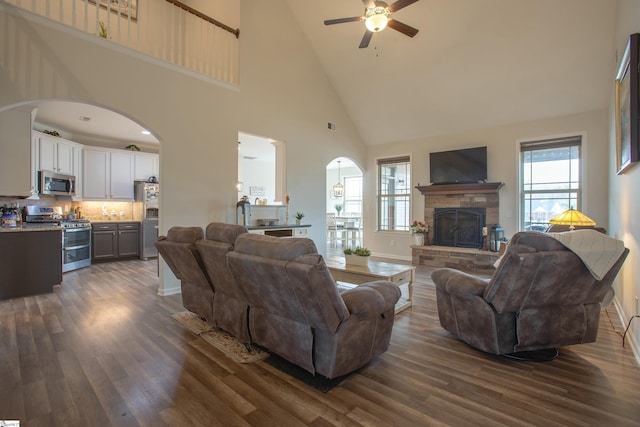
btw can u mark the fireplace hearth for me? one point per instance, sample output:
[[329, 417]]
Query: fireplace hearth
[[459, 227]]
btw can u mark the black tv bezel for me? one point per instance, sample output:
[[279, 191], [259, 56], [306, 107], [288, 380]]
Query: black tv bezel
[[459, 151]]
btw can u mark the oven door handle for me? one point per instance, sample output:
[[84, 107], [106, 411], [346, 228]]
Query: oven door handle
[[71, 248], [76, 230]]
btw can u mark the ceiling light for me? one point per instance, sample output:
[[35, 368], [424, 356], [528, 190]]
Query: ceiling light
[[146, 132], [376, 18], [338, 188]]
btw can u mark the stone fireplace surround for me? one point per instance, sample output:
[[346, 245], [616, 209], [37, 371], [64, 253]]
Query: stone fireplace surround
[[478, 195]]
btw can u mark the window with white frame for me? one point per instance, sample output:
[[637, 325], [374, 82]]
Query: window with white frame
[[551, 180], [394, 194], [353, 195]]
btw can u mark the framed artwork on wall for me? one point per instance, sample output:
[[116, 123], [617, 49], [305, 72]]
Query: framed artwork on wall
[[628, 106]]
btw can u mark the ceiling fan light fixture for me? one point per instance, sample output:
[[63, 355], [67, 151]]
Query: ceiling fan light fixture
[[376, 19]]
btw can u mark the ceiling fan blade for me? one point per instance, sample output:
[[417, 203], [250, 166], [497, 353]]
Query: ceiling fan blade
[[366, 39], [342, 20], [403, 28], [369, 3], [400, 4]]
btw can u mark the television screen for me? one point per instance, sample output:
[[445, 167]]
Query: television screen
[[459, 166]]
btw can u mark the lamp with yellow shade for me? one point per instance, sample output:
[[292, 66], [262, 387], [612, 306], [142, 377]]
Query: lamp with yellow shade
[[573, 218]]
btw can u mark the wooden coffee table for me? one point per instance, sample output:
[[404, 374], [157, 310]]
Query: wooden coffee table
[[398, 274]]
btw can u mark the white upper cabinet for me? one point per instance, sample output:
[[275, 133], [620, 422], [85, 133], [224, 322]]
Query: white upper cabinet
[[108, 174], [121, 180], [56, 154], [95, 179], [145, 165]]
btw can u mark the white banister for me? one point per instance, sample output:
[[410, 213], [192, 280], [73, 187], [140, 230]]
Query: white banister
[[166, 29]]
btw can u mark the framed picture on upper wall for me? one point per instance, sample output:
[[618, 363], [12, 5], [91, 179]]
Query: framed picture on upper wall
[[628, 106], [124, 8]]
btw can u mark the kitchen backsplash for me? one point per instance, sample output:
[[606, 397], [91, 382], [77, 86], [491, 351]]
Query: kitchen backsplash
[[93, 211]]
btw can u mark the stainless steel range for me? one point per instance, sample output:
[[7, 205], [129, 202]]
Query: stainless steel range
[[76, 235]]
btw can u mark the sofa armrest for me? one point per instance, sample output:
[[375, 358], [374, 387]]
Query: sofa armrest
[[459, 283], [390, 292], [365, 301]]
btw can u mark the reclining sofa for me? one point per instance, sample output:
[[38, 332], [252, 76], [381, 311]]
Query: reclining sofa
[[278, 293], [296, 310], [198, 260]]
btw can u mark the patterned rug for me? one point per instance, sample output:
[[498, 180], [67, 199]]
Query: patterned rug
[[222, 340], [229, 345], [192, 322]]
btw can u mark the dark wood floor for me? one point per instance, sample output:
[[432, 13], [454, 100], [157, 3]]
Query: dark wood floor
[[102, 350]]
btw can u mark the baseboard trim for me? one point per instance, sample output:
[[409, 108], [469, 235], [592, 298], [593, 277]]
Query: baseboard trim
[[633, 343]]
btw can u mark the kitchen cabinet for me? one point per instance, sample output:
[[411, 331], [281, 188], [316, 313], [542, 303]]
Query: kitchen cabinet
[[145, 165], [121, 176], [32, 265], [58, 155], [55, 155], [128, 239], [108, 174], [115, 240], [104, 241], [96, 174]]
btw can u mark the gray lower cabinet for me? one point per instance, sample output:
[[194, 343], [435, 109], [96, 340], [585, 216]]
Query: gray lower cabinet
[[115, 240], [31, 262]]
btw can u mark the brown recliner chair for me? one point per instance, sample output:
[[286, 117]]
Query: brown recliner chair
[[230, 308], [178, 249], [541, 297], [297, 312]]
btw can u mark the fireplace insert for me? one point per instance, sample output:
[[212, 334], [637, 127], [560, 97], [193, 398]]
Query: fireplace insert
[[459, 227]]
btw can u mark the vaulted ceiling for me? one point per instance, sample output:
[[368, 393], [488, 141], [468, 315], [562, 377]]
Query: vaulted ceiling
[[473, 64]]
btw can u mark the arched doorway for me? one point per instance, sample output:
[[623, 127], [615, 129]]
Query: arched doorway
[[344, 205], [56, 136]]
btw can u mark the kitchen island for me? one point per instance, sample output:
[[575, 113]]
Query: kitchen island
[[31, 260]]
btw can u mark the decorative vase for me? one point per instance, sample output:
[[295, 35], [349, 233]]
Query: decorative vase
[[357, 260], [298, 221], [418, 239]]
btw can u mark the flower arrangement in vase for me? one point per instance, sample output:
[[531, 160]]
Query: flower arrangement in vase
[[299, 216], [419, 230]]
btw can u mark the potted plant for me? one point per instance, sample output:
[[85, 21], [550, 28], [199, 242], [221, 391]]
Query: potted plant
[[299, 216], [419, 230], [338, 209], [358, 256]]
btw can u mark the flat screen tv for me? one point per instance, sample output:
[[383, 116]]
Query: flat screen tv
[[464, 166]]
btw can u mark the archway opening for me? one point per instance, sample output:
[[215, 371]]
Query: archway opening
[[344, 205]]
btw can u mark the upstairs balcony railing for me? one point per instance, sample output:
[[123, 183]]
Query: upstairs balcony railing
[[166, 29]]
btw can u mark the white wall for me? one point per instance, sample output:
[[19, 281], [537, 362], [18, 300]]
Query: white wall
[[502, 157], [284, 94], [623, 192]]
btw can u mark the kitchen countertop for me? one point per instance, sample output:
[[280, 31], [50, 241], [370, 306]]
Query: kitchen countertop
[[30, 227], [275, 227], [111, 221]]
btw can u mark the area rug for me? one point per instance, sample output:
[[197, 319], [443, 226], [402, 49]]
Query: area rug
[[317, 381], [230, 346], [192, 322]]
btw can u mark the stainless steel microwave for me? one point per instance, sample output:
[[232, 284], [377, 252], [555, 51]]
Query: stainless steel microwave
[[56, 184]]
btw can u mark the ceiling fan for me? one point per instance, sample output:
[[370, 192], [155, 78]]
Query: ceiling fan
[[377, 18]]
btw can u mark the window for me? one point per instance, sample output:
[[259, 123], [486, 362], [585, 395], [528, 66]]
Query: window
[[353, 195], [394, 191], [551, 180]]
